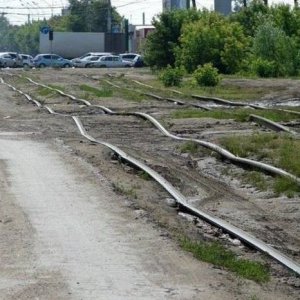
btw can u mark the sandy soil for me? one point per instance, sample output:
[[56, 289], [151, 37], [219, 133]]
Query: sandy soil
[[55, 213]]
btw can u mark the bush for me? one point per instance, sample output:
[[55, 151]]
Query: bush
[[171, 76], [264, 68], [207, 75]]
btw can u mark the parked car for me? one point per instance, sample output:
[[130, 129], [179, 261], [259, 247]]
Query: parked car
[[111, 61], [128, 56], [138, 62], [89, 54], [85, 62], [27, 60], [10, 59], [51, 60]]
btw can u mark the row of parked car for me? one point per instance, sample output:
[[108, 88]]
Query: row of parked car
[[88, 60]]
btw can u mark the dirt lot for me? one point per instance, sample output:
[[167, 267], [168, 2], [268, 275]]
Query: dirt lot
[[208, 182]]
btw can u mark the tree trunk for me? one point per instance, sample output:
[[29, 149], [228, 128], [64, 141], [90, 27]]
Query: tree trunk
[[194, 4], [266, 2], [245, 3], [296, 3]]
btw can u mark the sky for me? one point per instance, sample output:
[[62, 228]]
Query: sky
[[18, 10]]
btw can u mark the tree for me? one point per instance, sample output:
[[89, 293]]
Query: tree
[[160, 45], [271, 44], [212, 39], [91, 16]]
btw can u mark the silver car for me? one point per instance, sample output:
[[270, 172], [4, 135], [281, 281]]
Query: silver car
[[10, 59], [27, 60], [85, 62], [111, 61]]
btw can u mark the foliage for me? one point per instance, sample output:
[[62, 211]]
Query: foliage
[[171, 76], [207, 75], [90, 16], [212, 38], [274, 50], [263, 67], [160, 45], [105, 92]]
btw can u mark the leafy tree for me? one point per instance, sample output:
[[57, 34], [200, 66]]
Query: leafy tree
[[251, 16], [160, 45], [87, 15], [271, 44], [212, 39]]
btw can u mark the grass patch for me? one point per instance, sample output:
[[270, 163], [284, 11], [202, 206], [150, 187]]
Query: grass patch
[[61, 88], [189, 147], [105, 92], [239, 115], [279, 150], [218, 255], [121, 189], [42, 91], [256, 179]]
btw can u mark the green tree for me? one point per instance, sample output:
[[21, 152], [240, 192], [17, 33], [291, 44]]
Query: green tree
[[91, 16], [251, 16], [160, 45], [271, 44], [212, 39]]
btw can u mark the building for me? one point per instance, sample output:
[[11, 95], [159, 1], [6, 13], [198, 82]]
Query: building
[[174, 4], [223, 6]]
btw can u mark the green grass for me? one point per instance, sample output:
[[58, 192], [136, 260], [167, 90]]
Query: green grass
[[44, 92], [105, 92], [239, 115], [61, 88], [189, 147], [279, 150], [218, 255]]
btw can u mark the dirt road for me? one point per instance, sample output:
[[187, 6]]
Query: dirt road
[[77, 240], [65, 234]]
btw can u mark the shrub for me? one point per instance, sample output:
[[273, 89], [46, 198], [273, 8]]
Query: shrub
[[264, 68], [171, 76], [207, 75]]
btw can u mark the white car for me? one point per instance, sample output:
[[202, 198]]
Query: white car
[[77, 59], [129, 56], [85, 62], [27, 60], [111, 61]]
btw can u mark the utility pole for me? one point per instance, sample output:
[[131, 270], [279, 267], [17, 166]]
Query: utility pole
[[109, 16]]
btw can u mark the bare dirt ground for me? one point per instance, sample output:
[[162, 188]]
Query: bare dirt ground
[[106, 226]]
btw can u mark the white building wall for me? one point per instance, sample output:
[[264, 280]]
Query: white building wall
[[73, 44]]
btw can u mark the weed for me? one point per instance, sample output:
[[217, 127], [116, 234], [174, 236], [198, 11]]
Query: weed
[[145, 175], [240, 115], [42, 91], [189, 147], [218, 255], [120, 189], [279, 150], [105, 92], [256, 179]]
